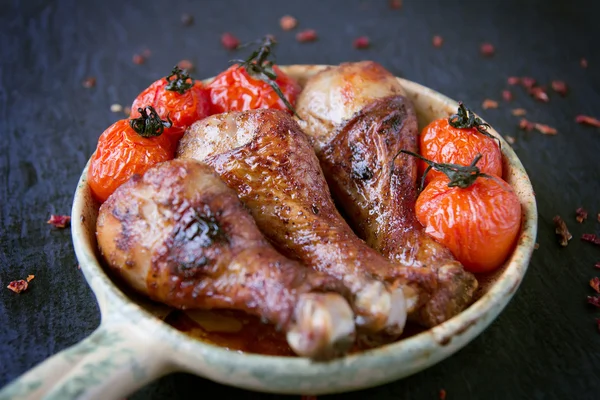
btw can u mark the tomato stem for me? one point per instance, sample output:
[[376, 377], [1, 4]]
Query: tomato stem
[[149, 124], [181, 81], [466, 119]]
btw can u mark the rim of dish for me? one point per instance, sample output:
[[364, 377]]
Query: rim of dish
[[506, 283]]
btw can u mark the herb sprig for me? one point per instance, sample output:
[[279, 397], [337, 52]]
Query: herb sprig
[[179, 81], [466, 119], [149, 124]]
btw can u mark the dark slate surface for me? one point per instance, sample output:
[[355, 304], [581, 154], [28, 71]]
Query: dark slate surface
[[545, 345]]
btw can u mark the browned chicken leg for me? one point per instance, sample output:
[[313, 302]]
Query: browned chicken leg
[[358, 119], [265, 157], [181, 236]]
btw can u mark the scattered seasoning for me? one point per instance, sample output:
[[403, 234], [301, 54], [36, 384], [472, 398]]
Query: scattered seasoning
[[536, 246], [187, 19], [587, 120], [395, 4], [309, 35], [126, 111], [518, 112], [30, 278], [59, 221], [527, 82], [116, 108], [437, 41], [539, 93], [583, 62], [442, 394], [545, 129], [560, 87], [18, 286], [513, 80], [562, 231], [89, 82], [595, 284], [581, 214], [593, 300], [361, 42], [186, 65], [229, 41], [507, 95], [590, 237], [510, 139], [138, 59], [287, 22], [487, 49], [526, 125], [488, 103]]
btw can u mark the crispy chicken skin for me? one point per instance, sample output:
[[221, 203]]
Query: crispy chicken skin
[[358, 119], [179, 235], [265, 157]]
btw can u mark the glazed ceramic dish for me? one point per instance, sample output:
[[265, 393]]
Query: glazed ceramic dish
[[133, 345]]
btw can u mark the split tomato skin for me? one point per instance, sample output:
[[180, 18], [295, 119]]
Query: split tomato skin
[[442, 143], [235, 90], [182, 108], [121, 153], [479, 224]]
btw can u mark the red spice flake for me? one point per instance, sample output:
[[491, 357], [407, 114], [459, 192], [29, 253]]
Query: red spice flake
[[487, 49], [581, 214], [595, 284], [583, 62], [590, 237], [526, 125], [594, 300], [560, 87], [539, 93], [488, 103], [89, 82], [507, 95], [510, 139], [309, 35], [395, 4], [287, 22], [18, 286], [518, 112], [361, 42], [30, 278], [527, 82], [187, 19], [186, 64], [229, 41], [562, 231], [138, 59], [437, 41], [442, 394], [59, 221], [546, 129], [513, 80], [587, 120]]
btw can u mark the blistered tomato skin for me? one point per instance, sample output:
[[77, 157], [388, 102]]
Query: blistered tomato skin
[[479, 224], [121, 153], [443, 143], [234, 90], [182, 108]]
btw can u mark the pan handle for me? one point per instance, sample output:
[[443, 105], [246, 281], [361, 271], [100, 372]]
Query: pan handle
[[111, 363]]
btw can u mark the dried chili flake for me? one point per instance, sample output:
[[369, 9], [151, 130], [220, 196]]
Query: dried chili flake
[[510, 139], [587, 120], [395, 4], [488, 103], [594, 300], [513, 80], [309, 35], [539, 93], [518, 112], [442, 394], [138, 59], [18, 286], [287, 22], [186, 65], [583, 62], [187, 19], [229, 41], [527, 82], [590, 237], [595, 284], [562, 231], [437, 41], [560, 87], [487, 49], [507, 95], [581, 214], [546, 129], [30, 278], [361, 42], [89, 82], [526, 125], [59, 221]]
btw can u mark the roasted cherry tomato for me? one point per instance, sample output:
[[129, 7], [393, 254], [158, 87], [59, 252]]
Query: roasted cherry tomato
[[126, 148], [479, 223], [235, 90], [443, 143], [177, 96]]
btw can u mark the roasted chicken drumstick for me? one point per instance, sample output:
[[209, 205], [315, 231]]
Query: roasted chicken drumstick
[[181, 236], [265, 157], [358, 119]]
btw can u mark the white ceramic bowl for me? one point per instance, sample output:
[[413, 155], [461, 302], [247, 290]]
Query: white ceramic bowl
[[133, 346]]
